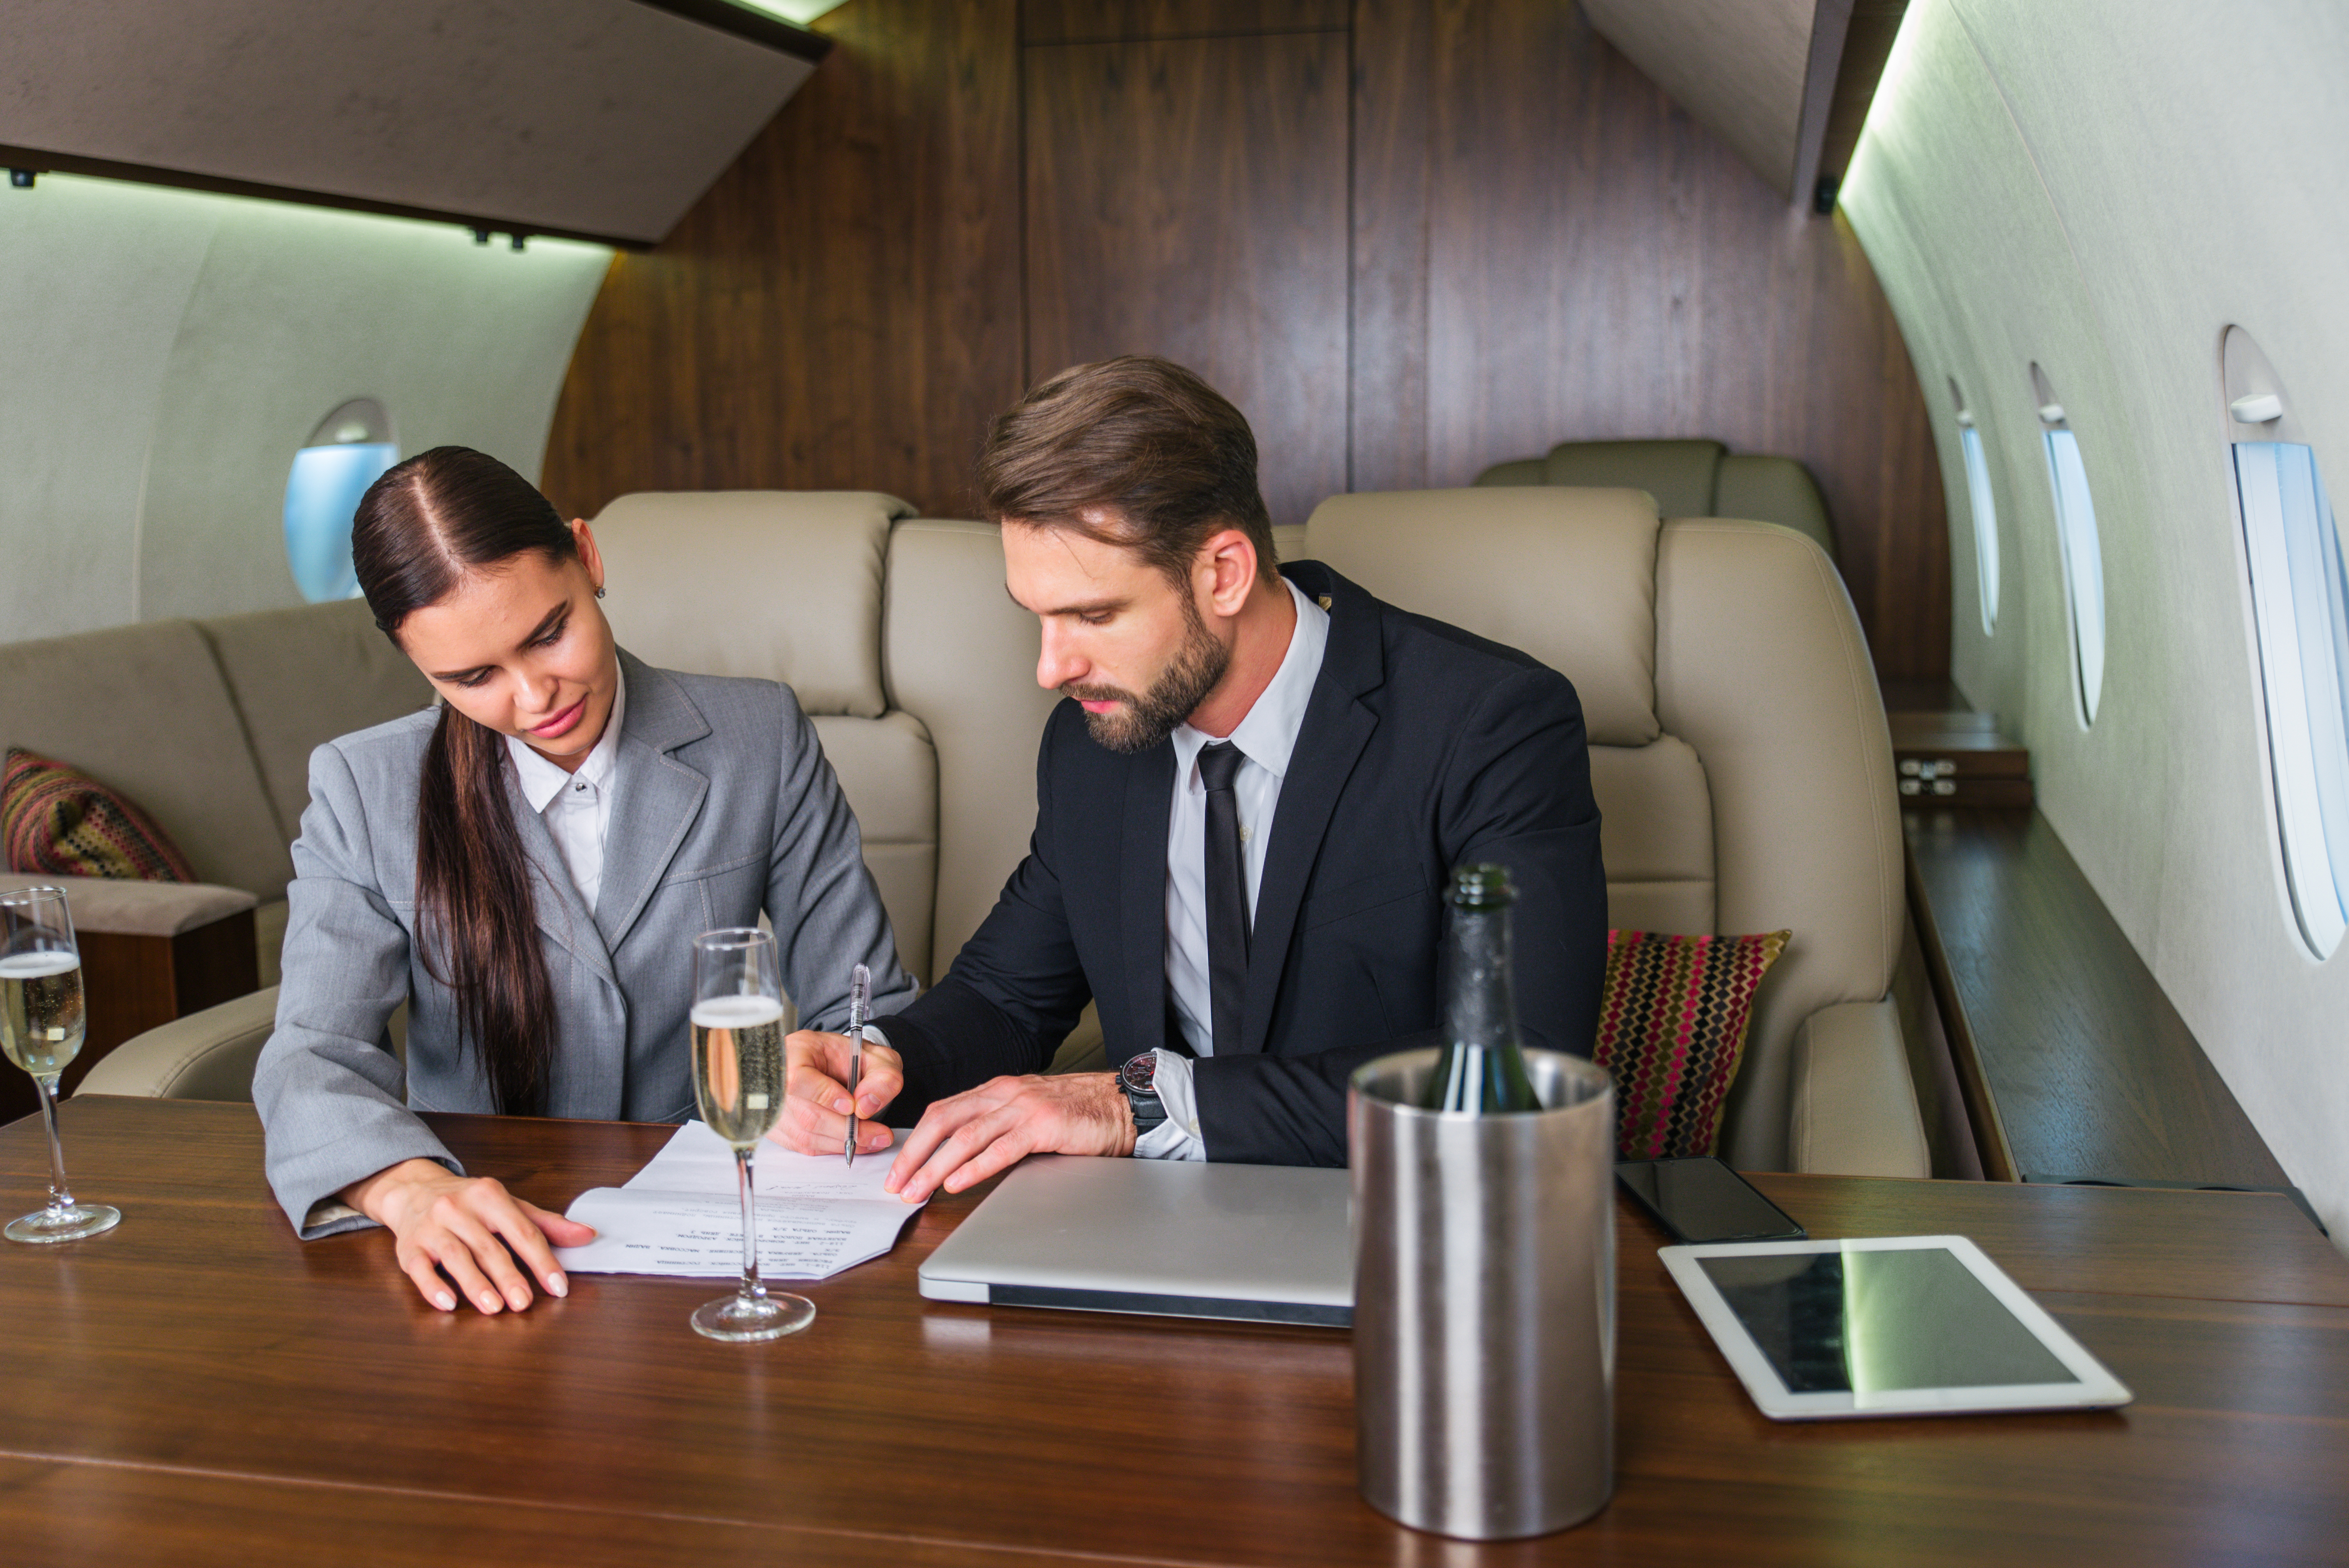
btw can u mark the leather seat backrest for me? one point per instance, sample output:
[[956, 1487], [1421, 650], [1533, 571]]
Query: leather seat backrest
[[1772, 489], [787, 585], [1687, 478], [1738, 746], [1679, 474], [961, 657]]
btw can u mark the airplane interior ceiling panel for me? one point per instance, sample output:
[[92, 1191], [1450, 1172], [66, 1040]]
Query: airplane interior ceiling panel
[[2109, 225], [604, 118], [185, 347], [1740, 70]]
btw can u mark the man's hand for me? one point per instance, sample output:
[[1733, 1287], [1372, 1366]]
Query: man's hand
[[815, 1094], [462, 1226], [964, 1140]]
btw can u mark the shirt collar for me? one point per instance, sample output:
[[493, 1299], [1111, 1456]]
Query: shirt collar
[[542, 780], [1268, 735]]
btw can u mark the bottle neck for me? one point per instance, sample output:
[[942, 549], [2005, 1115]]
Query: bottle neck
[[1480, 1004]]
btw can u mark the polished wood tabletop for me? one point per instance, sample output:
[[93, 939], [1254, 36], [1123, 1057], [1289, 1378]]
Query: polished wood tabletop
[[198, 1387]]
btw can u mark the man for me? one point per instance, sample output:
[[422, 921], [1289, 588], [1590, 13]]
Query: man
[[1246, 814]]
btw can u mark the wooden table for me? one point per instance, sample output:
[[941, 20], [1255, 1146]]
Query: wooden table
[[198, 1387]]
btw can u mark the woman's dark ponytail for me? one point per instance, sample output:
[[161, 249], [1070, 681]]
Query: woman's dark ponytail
[[420, 527]]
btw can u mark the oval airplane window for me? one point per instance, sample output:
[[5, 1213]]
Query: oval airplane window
[[1985, 509], [2082, 555], [349, 452], [2300, 607]]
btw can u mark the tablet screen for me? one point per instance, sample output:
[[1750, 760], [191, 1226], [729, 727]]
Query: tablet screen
[[1869, 1322]]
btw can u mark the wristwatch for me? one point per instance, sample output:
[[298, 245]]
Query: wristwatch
[[1139, 1079]]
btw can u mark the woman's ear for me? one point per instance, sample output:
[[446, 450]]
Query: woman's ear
[[590, 556]]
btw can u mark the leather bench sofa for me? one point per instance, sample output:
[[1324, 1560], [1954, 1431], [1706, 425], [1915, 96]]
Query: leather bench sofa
[[1740, 752], [209, 726]]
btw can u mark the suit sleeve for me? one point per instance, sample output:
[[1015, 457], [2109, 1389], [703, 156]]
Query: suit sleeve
[[1016, 988], [327, 1086], [1515, 790]]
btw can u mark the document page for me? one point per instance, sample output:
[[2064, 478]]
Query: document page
[[681, 1214]]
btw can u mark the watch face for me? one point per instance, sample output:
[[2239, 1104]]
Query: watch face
[[1140, 1073]]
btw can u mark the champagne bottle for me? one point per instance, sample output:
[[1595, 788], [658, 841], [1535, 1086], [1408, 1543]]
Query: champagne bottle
[[1482, 1068]]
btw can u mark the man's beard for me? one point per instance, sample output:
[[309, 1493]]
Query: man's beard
[[1145, 720]]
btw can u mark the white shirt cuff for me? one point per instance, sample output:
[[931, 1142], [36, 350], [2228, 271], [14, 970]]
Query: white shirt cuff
[[1177, 1137]]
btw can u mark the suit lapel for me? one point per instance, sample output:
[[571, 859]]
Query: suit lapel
[[656, 801], [1337, 727], [1142, 895]]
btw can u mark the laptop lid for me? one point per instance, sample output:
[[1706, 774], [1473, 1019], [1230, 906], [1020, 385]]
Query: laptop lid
[[1258, 1243]]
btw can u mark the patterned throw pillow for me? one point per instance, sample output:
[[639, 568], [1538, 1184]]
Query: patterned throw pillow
[[57, 820], [1672, 1030]]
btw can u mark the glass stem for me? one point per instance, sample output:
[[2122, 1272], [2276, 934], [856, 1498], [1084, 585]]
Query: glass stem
[[59, 1197], [752, 1289]]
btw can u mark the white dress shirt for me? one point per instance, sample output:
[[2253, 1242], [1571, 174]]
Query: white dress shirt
[[577, 806], [1265, 737]]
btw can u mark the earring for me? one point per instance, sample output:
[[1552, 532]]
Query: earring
[[599, 593]]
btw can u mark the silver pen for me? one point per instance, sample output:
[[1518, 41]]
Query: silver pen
[[860, 990]]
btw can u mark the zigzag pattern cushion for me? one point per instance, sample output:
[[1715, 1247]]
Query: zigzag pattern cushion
[[58, 819], [1672, 1030]]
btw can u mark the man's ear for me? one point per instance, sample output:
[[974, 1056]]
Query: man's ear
[[1230, 556]]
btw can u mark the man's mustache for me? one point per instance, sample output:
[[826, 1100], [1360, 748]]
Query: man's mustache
[[1096, 694]]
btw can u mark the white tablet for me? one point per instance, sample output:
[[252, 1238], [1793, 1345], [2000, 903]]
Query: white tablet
[[1884, 1325]]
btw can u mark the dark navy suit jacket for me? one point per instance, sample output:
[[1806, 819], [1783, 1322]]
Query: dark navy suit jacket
[[1423, 748]]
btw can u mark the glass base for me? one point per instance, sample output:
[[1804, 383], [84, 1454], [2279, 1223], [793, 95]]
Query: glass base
[[740, 1317], [70, 1224]]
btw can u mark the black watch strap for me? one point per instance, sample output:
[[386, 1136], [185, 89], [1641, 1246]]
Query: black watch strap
[[1138, 1078]]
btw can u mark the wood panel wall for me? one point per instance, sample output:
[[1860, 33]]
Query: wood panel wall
[[1501, 237]]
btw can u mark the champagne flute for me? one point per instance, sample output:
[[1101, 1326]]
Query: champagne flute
[[41, 1029], [737, 1075]]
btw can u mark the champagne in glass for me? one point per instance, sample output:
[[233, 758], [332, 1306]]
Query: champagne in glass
[[41, 1030], [737, 1075]]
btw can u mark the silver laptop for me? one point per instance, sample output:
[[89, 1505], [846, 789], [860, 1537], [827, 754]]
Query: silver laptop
[[1258, 1243]]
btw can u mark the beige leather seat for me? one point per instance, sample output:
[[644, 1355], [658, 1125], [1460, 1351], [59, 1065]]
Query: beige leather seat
[[1740, 758], [1688, 479]]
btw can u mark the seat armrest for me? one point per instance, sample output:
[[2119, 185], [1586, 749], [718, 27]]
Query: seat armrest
[[124, 908], [204, 1056], [1854, 1106]]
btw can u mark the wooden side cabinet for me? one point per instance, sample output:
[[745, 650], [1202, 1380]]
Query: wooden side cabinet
[[138, 973]]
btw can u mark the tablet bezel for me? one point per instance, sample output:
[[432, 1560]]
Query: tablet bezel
[[2097, 1388]]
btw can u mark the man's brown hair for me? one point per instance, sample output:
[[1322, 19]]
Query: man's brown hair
[[1138, 436]]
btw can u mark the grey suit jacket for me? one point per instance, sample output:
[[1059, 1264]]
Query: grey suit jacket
[[723, 806]]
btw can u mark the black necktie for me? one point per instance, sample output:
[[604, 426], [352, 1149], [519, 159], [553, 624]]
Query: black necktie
[[1227, 910]]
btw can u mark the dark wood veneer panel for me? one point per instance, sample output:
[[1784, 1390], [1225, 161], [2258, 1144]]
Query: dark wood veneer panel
[[1541, 248], [2092, 1070], [1594, 266], [1188, 198], [842, 310], [1093, 21]]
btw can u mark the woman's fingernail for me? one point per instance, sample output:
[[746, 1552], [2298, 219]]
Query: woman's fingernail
[[489, 1301], [445, 1302], [558, 1284]]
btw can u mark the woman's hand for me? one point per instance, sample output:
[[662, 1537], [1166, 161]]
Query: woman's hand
[[463, 1226], [815, 1094]]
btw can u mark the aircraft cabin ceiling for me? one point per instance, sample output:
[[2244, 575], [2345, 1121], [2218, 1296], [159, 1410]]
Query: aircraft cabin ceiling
[[1759, 74], [600, 120]]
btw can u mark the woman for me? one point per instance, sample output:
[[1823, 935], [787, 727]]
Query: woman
[[526, 867]]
